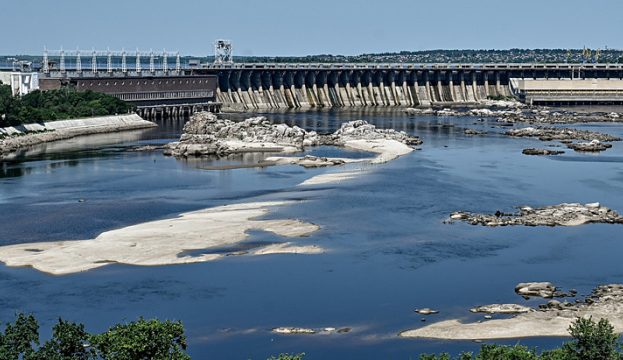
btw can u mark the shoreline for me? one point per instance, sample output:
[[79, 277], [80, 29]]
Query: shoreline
[[28, 135]]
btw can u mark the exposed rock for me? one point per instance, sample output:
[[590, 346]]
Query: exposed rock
[[556, 215], [541, 289], [308, 331], [553, 319], [557, 305], [516, 112], [533, 151], [418, 111], [426, 311], [501, 309], [293, 330], [362, 130], [474, 132], [146, 148], [591, 146], [551, 133], [310, 161], [205, 134]]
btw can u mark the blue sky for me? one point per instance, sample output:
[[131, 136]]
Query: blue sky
[[293, 27]]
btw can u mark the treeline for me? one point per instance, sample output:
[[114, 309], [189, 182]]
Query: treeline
[[141, 339], [65, 103], [452, 56]]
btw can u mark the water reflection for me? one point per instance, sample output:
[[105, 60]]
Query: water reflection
[[389, 249]]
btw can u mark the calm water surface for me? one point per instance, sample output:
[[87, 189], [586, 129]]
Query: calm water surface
[[389, 252]]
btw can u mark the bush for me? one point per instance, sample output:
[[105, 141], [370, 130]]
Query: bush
[[140, 340], [65, 103], [594, 341]]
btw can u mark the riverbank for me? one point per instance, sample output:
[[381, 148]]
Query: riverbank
[[15, 138]]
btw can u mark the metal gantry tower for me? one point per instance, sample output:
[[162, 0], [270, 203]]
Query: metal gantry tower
[[78, 61], [109, 67], [122, 61], [152, 66], [124, 65], [46, 61], [138, 61], [165, 65], [94, 61], [62, 62]]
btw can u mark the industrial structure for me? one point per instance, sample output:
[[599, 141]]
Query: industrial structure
[[159, 83]]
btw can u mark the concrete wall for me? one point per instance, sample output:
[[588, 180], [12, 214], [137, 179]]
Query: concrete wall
[[87, 124], [567, 84]]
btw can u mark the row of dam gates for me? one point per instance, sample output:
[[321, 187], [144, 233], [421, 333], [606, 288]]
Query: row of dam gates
[[304, 89], [278, 86]]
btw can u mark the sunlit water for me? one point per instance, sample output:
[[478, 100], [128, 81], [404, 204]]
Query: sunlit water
[[389, 250]]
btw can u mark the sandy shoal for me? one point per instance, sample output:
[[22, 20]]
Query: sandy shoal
[[162, 242]]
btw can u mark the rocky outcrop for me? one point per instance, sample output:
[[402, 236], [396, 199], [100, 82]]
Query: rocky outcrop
[[515, 112], [533, 151], [501, 309], [591, 146], [362, 130], [551, 319], [293, 330], [540, 289], [309, 161], [474, 132], [205, 134], [287, 330], [557, 215], [551, 133], [426, 311]]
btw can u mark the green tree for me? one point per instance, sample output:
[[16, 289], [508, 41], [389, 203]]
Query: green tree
[[497, 352], [69, 342], [142, 340], [592, 341], [19, 338]]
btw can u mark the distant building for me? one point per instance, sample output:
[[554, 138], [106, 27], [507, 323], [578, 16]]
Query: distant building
[[21, 82]]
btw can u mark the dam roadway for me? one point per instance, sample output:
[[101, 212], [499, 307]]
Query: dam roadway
[[249, 86]]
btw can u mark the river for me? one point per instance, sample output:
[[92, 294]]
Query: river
[[389, 251]]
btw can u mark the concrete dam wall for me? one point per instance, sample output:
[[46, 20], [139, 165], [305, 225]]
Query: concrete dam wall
[[282, 89]]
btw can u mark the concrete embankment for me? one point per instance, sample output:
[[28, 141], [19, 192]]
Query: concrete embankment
[[393, 94], [14, 138]]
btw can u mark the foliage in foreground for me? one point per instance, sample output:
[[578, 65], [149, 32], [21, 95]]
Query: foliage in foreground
[[66, 103], [591, 341], [165, 340], [141, 339]]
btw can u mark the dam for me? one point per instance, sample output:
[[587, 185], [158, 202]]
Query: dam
[[260, 86], [283, 86]]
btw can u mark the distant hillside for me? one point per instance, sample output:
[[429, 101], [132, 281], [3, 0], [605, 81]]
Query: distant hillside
[[425, 56]]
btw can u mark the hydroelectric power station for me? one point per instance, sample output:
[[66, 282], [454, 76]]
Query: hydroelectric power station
[[161, 84]]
